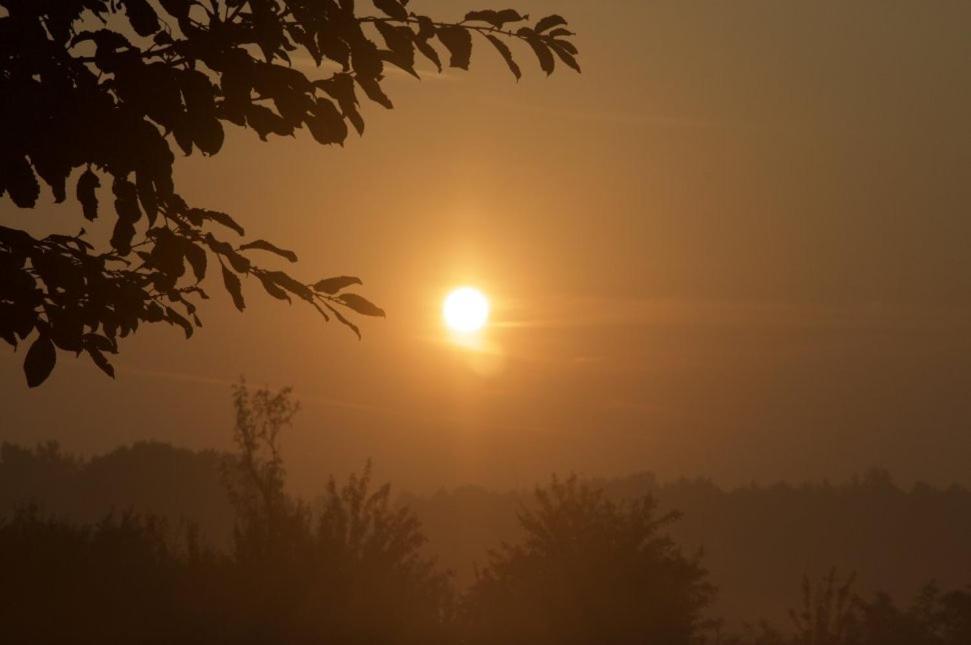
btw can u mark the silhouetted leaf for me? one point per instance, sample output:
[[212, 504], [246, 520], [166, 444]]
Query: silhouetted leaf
[[264, 121], [21, 183], [235, 289], [360, 304], [458, 41], [374, 91], [99, 359], [549, 22], [293, 286], [208, 135], [178, 8], [39, 361], [272, 287], [506, 55], [429, 52], [341, 88], [175, 318], [344, 321], [392, 8], [146, 195], [543, 53], [325, 123], [563, 52], [196, 255], [333, 285], [88, 182], [263, 245], [222, 218], [198, 93], [126, 200], [142, 17], [495, 18]]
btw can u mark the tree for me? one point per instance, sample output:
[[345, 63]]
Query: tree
[[94, 92], [590, 570], [349, 570]]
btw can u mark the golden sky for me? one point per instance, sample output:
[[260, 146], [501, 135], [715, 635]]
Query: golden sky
[[735, 246]]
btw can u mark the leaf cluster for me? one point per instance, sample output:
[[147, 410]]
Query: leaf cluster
[[95, 94]]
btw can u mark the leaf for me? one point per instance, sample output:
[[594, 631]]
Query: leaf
[[429, 52], [87, 183], [121, 236], [291, 285], [374, 91], [208, 135], [400, 42], [175, 318], [543, 53], [272, 287], [178, 8], [222, 218], [325, 123], [333, 285], [196, 255], [100, 360], [549, 22], [21, 183], [392, 8], [146, 195], [198, 93], [39, 361], [503, 49], [341, 88], [235, 289], [263, 245], [142, 18], [265, 121], [565, 55], [495, 18], [344, 321], [458, 41], [360, 304]]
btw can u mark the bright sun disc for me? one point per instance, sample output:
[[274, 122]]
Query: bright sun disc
[[466, 310]]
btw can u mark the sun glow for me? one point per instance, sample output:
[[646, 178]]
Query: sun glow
[[466, 310]]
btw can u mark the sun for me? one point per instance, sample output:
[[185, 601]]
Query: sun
[[466, 310]]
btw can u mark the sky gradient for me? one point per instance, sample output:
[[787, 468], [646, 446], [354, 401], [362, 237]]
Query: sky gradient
[[735, 246]]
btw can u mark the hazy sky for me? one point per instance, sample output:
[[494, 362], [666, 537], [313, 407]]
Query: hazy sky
[[736, 246]]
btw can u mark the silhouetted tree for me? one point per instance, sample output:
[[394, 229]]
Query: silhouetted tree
[[105, 86], [119, 581], [832, 614], [350, 570], [590, 570]]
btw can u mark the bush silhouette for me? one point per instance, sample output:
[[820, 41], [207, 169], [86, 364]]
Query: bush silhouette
[[832, 614], [590, 570], [98, 90]]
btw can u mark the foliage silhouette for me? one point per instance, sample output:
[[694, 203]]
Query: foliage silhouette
[[832, 614], [105, 86], [349, 570], [590, 570], [352, 569], [758, 540]]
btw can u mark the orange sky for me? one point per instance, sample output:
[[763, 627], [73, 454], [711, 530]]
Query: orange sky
[[736, 246]]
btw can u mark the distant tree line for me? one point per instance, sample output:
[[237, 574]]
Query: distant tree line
[[588, 566]]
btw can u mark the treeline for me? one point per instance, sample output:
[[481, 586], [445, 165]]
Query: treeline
[[582, 562]]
